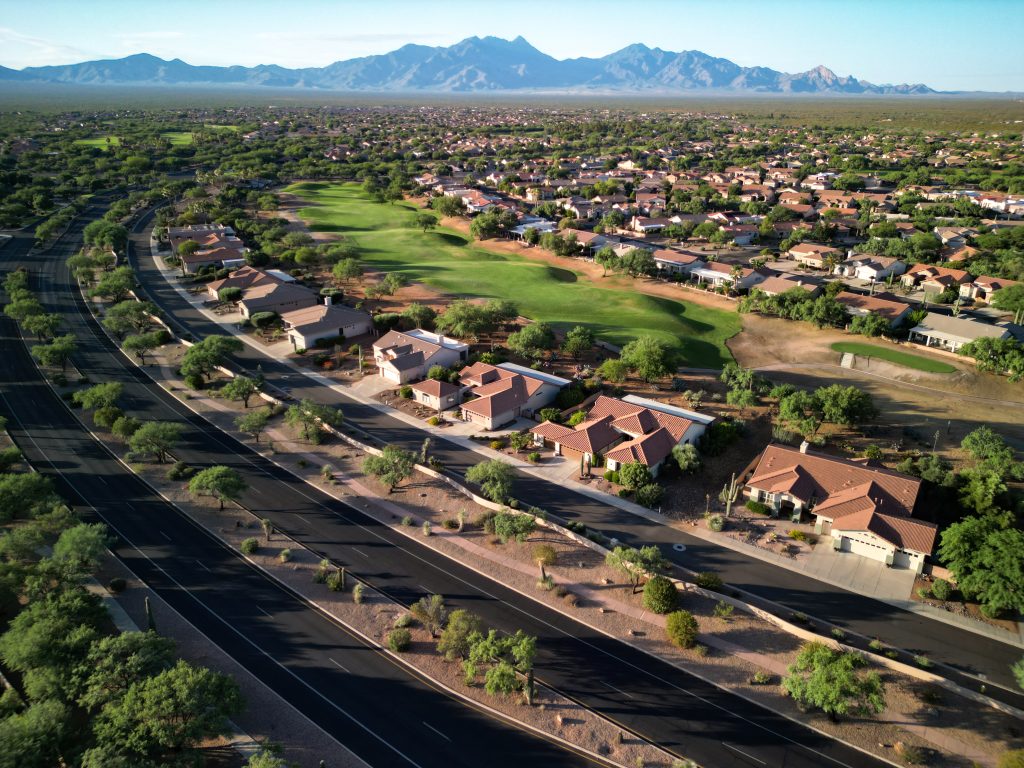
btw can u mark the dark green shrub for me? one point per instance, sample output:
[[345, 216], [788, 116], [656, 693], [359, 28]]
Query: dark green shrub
[[649, 495], [708, 580], [399, 639], [758, 508], [681, 628], [942, 589], [250, 546], [660, 595], [611, 476]]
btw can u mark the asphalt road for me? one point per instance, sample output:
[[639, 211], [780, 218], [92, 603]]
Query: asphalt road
[[345, 686], [966, 655], [666, 705]]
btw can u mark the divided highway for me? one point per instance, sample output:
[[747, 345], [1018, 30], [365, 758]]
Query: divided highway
[[970, 655], [672, 708]]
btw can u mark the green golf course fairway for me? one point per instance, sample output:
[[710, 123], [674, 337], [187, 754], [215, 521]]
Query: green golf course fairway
[[917, 362], [448, 261]]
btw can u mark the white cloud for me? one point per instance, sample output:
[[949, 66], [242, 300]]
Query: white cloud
[[21, 50]]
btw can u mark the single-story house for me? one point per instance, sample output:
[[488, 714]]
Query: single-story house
[[264, 291], [403, 357], [436, 394], [305, 327], [951, 333], [646, 226], [624, 431], [866, 509], [934, 279], [775, 285], [871, 268], [676, 262], [227, 258], [983, 287], [717, 274], [502, 393], [813, 254], [884, 304]]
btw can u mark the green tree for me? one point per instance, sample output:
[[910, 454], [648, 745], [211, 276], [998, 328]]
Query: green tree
[[634, 475], [447, 206], [636, 262], [240, 388], [980, 552], [636, 564], [103, 395], [687, 458], [253, 423], [578, 341], [505, 660], [202, 358], [115, 663], [1018, 672], [394, 465], [608, 260], [115, 285], [464, 320], [309, 417], [647, 356], [660, 595], [494, 478], [223, 483], [510, 525], [848, 406], [830, 680], [124, 427], [682, 628], [430, 611], [870, 325], [44, 326], [25, 495], [79, 550], [419, 315], [22, 308], [614, 370], [454, 641], [57, 352], [1010, 299], [169, 713], [532, 341], [128, 317], [981, 488], [801, 412], [424, 221], [33, 738], [347, 269], [155, 438], [141, 344]]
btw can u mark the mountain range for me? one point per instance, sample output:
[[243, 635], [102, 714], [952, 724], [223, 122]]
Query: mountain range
[[475, 65]]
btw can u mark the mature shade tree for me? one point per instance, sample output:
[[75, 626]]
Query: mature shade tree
[[533, 340], [309, 417], [33, 738], [424, 221], [848, 406], [494, 477], [253, 423], [23, 307], [129, 316], [1010, 299], [99, 395], [608, 260], [636, 262], [464, 320], [831, 681], [614, 370], [447, 206], [115, 285], [578, 341], [346, 270], [57, 352], [418, 315], [202, 359], [992, 453], [983, 553], [124, 427], [1003, 356], [636, 564], [870, 325], [394, 465], [801, 412], [430, 611], [44, 326], [647, 356], [115, 663], [240, 388], [505, 659], [168, 714], [155, 438], [105, 234], [25, 495], [79, 550], [223, 483], [141, 344]]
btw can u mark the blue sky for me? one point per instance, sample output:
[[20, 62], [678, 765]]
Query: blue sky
[[947, 44]]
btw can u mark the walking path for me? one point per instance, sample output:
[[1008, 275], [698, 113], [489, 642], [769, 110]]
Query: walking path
[[893, 594]]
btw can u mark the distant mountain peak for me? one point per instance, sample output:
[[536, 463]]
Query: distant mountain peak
[[477, 64]]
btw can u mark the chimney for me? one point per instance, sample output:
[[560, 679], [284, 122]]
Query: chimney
[[804, 446], [328, 300]]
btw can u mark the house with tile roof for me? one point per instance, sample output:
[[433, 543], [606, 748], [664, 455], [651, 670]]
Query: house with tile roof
[[263, 291], [883, 304], [403, 357], [502, 393], [305, 327], [436, 394], [934, 279], [982, 288], [624, 431], [676, 262], [813, 254], [866, 508], [870, 268]]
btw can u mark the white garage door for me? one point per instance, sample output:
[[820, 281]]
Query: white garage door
[[903, 560], [864, 549]]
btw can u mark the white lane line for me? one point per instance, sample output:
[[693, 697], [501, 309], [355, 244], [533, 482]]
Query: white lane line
[[342, 667], [355, 549], [302, 518], [427, 591], [100, 478], [264, 612], [745, 754], [436, 731], [204, 566], [163, 534], [619, 690]]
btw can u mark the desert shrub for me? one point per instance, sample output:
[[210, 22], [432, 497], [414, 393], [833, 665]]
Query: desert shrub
[[923, 661], [649, 495], [497, 445], [909, 754], [284, 555], [533, 457], [758, 508], [404, 620], [358, 593], [660, 595], [612, 476], [405, 392], [942, 589], [250, 546], [724, 610], [180, 471], [450, 524], [194, 381], [716, 523], [708, 580], [508, 526], [427, 528], [761, 678], [399, 639], [544, 554], [681, 628], [434, 421], [407, 521]]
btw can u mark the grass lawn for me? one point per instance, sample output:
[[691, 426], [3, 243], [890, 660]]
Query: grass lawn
[[448, 261], [896, 356], [102, 142], [178, 138]]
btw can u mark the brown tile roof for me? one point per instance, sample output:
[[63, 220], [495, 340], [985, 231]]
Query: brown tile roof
[[551, 431], [435, 387], [621, 411], [647, 449], [592, 436], [887, 308]]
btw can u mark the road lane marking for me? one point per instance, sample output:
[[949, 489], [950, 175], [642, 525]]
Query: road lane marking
[[163, 534], [264, 611], [339, 665], [302, 518], [436, 731], [354, 549], [745, 754], [204, 566], [619, 690]]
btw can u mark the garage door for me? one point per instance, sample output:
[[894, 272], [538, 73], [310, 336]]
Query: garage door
[[864, 549], [902, 560]]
